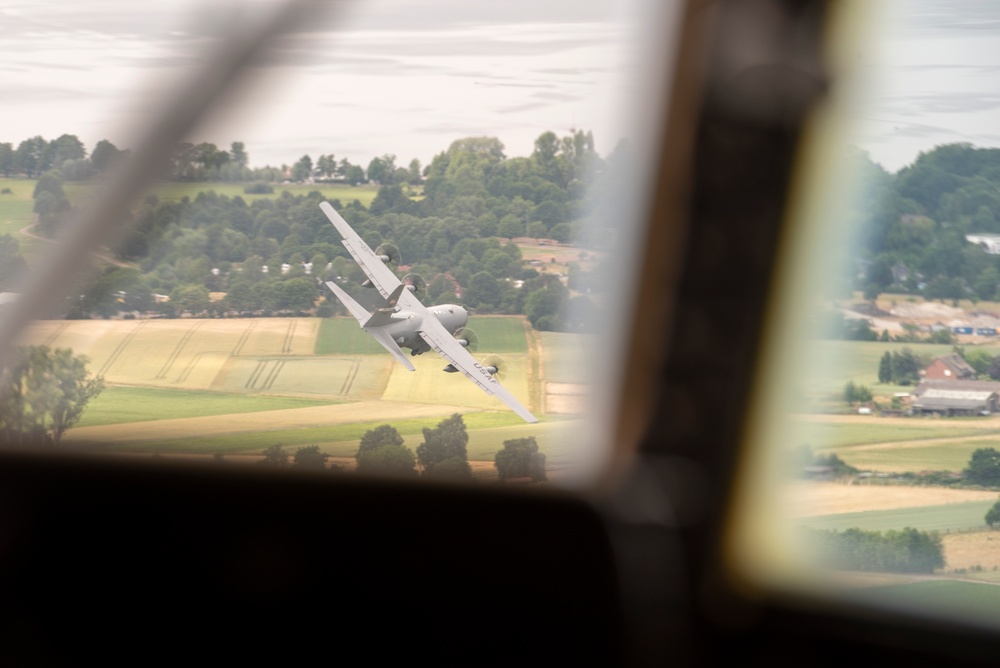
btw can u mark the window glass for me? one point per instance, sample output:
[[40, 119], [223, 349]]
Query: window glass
[[872, 468], [476, 150]]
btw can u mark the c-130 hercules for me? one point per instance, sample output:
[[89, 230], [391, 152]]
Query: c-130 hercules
[[402, 321]]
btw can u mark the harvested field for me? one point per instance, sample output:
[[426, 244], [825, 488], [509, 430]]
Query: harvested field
[[428, 384], [809, 499], [191, 429], [969, 550]]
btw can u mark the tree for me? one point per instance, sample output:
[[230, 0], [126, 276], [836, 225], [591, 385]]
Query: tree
[[302, 169], [993, 514], [520, 458], [238, 153], [275, 455], [44, 394], [445, 447], [378, 171], [104, 155], [310, 457], [379, 437], [885, 368], [391, 459], [983, 468]]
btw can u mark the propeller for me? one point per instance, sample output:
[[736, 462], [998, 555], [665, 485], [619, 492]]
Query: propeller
[[415, 284], [468, 338], [388, 254], [496, 366]]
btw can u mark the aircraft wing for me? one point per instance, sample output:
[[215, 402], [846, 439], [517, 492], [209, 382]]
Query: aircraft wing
[[443, 343], [380, 275]]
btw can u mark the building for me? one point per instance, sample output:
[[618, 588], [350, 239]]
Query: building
[[991, 242], [956, 397], [949, 367]]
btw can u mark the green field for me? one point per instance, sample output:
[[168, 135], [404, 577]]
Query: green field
[[499, 334], [975, 601], [563, 355], [859, 361], [487, 431], [840, 436], [949, 517], [343, 336], [942, 456], [117, 405], [172, 190]]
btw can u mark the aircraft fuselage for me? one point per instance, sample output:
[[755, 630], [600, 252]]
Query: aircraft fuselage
[[406, 325]]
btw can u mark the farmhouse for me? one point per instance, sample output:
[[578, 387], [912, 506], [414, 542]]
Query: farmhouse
[[949, 367], [956, 397]]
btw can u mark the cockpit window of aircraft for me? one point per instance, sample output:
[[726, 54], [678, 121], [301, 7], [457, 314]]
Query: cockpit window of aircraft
[[379, 237], [873, 457]]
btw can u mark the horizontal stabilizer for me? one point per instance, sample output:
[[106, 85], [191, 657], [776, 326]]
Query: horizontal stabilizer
[[356, 309], [385, 339]]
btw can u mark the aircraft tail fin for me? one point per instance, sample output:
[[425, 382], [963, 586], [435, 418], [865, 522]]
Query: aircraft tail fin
[[383, 314], [356, 309]]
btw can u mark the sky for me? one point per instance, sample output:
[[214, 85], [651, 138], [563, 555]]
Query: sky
[[402, 77], [408, 77], [932, 78]]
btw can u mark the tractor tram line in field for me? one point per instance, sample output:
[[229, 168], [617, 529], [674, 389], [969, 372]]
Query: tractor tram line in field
[[120, 348], [244, 337], [178, 349], [50, 339]]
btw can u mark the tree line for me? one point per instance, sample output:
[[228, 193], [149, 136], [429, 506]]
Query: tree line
[[904, 551], [266, 255], [441, 455], [914, 225]]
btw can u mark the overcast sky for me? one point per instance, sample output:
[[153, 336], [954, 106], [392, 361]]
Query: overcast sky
[[410, 76], [933, 72], [383, 76]]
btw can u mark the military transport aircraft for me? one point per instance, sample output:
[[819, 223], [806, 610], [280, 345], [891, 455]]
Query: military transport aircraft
[[403, 321]]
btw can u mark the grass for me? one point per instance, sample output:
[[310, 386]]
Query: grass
[[859, 361], [338, 439], [343, 336], [979, 602], [499, 334], [169, 190], [563, 357], [943, 456], [949, 517], [838, 436], [118, 405]]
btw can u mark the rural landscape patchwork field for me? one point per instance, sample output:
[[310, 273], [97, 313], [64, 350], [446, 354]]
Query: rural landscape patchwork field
[[238, 386]]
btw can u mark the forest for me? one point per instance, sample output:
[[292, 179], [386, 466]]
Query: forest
[[914, 223], [452, 221]]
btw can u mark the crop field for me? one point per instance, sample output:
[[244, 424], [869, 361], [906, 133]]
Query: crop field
[[428, 384], [241, 385], [934, 455], [122, 405], [963, 516], [344, 336], [840, 436], [564, 356], [979, 551], [499, 334]]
